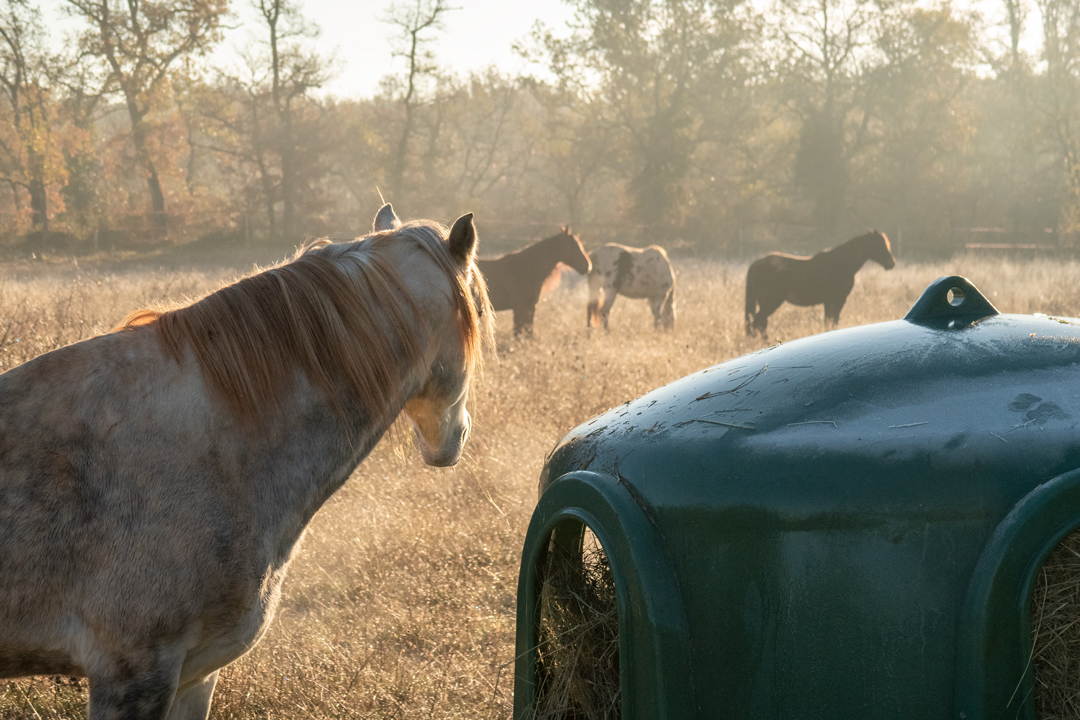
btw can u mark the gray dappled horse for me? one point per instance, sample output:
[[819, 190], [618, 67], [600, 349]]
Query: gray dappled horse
[[633, 273], [155, 480]]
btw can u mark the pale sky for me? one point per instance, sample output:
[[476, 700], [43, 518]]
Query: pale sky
[[478, 34]]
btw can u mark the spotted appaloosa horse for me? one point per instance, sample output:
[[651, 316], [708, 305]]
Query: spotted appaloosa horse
[[827, 277], [634, 273], [154, 481], [516, 281]]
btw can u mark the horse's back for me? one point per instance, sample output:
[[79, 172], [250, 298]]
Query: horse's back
[[606, 257], [634, 272], [777, 263], [797, 279], [651, 274]]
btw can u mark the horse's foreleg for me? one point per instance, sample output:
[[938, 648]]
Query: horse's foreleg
[[193, 702], [136, 687], [833, 308]]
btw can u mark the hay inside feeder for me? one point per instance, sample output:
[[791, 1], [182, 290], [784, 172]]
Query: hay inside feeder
[[1055, 633], [578, 652]]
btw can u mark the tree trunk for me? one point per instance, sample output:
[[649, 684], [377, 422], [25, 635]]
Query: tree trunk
[[153, 184], [288, 175], [402, 154], [39, 205]]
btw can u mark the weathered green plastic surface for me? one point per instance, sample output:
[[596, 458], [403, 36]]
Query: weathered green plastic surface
[[844, 526]]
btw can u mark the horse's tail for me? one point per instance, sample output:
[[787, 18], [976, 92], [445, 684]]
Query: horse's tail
[[667, 310]]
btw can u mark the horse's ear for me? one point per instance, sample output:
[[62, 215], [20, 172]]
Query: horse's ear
[[385, 219], [463, 240]]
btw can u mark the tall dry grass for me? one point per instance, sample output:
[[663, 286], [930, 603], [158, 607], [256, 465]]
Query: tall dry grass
[[401, 600]]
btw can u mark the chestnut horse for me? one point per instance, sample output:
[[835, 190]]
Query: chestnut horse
[[154, 481], [516, 281], [634, 273], [824, 278]]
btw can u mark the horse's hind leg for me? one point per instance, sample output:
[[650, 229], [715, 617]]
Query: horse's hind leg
[[765, 309], [138, 687], [193, 702], [658, 306], [523, 320], [605, 308]]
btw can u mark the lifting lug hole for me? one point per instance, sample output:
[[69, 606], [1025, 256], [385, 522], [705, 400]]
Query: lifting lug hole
[[955, 297]]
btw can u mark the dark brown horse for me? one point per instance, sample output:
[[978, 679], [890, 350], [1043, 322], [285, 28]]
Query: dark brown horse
[[824, 278], [518, 279]]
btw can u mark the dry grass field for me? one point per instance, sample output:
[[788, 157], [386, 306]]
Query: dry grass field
[[400, 602]]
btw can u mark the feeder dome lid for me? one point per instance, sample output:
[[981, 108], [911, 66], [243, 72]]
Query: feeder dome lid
[[953, 383]]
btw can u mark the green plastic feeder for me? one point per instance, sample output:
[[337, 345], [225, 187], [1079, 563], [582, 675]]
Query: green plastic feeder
[[843, 526]]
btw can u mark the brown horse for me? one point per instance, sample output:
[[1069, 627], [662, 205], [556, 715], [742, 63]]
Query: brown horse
[[516, 281], [824, 278]]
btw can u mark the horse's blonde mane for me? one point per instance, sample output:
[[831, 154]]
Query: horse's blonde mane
[[340, 313]]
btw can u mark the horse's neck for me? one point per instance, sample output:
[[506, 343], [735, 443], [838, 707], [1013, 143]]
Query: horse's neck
[[307, 457], [539, 257]]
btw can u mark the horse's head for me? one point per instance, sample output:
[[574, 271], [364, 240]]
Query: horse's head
[[450, 295], [572, 252], [880, 251]]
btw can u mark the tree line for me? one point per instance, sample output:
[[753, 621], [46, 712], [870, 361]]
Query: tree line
[[722, 125]]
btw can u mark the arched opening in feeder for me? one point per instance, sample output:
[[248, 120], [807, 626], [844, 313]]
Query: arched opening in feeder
[[1055, 632], [577, 661]]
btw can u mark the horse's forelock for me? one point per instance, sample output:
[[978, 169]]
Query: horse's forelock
[[469, 287]]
